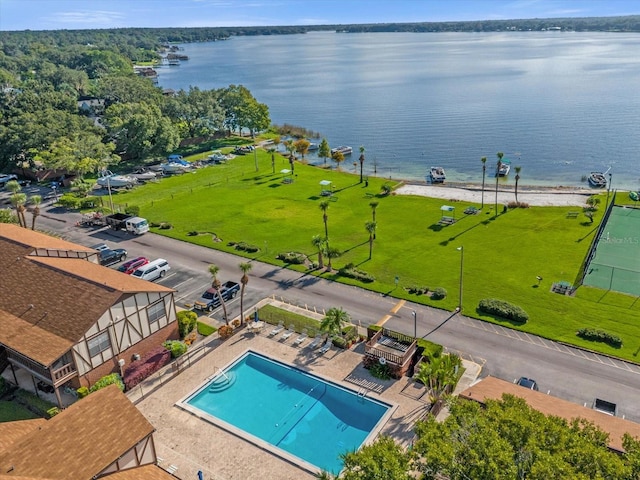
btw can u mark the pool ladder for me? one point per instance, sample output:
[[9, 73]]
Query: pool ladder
[[362, 392]]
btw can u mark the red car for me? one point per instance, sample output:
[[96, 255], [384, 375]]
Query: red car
[[132, 265]]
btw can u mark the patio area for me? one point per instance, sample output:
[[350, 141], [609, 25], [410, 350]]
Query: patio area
[[187, 444]]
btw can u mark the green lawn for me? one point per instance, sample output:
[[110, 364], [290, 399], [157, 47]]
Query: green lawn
[[502, 256], [12, 411]]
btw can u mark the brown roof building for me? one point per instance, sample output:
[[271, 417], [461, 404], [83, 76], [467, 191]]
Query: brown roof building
[[103, 435], [65, 319], [491, 388]]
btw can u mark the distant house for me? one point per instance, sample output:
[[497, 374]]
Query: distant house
[[91, 105], [101, 436], [66, 320]]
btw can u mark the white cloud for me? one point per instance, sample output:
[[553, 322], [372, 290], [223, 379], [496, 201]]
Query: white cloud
[[92, 19]]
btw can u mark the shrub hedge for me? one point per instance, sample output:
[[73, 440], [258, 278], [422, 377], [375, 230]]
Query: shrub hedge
[[438, 293], [501, 308], [350, 271], [176, 347], [292, 257], [429, 349], [186, 322], [600, 336], [112, 378]]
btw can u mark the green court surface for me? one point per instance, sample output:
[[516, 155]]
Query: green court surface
[[616, 263]]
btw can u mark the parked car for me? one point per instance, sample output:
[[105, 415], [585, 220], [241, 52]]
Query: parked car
[[132, 265], [158, 268], [528, 383], [109, 257], [100, 246], [210, 300], [4, 179]]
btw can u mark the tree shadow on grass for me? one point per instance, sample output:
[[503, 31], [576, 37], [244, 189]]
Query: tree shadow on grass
[[275, 185], [595, 227]]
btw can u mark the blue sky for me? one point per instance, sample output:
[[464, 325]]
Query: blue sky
[[80, 14]]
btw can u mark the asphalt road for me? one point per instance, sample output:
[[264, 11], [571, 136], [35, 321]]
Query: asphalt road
[[562, 371]]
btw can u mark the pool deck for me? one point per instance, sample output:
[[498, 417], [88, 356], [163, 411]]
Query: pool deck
[[186, 444]]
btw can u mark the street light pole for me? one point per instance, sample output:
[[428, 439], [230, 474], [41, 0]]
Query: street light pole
[[415, 324], [461, 248]]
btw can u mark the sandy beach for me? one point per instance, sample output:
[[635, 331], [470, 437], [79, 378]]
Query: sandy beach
[[534, 196]]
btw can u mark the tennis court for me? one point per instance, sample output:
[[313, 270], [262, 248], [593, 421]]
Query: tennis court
[[616, 263]]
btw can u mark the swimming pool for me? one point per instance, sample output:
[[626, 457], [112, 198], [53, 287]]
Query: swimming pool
[[294, 414]]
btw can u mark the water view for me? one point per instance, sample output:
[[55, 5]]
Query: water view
[[558, 104]]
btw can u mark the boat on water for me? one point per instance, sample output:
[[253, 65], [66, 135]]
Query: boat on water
[[312, 147], [343, 150], [505, 168], [108, 179], [436, 175], [597, 179]]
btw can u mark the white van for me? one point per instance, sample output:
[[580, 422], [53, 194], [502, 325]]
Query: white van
[[153, 270]]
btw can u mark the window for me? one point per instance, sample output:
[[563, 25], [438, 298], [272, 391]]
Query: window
[[156, 311], [99, 343]]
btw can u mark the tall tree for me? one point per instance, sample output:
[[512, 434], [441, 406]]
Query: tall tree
[[370, 227], [334, 320], [18, 200], [383, 459], [36, 200], [517, 179], [373, 204], [320, 243], [484, 172], [324, 206], [361, 160], [302, 146], [245, 267], [215, 284], [498, 166], [324, 151]]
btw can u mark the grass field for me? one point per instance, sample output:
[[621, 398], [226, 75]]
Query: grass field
[[503, 254]]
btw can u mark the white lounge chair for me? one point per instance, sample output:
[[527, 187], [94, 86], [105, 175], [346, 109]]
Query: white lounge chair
[[303, 336], [326, 347], [316, 341], [277, 329], [290, 331]]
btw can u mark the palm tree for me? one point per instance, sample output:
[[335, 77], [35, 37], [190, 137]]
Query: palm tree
[[371, 228], [361, 160], [215, 284], [320, 243], [484, 172], [324, 206], [246, 268], [499, 155], [517, 178], [36, 200], [333, 321], [17, 199], [331, 253], [373, 204]]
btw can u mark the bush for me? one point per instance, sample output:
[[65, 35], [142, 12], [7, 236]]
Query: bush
[[138, 370], [383, 372], [112, 378], [88, 202], [83, 392], [225, 331], [339, 342], [68, 201], [132, 210], [429, 349], [176, 347], [33, 403], [350, 333], [600, 336], [438, 293], [292, 257], [350, 271], [186, 322], [245, 247], [205, 329], [501, 308], [166, 226], [53, 411], [417, 290]]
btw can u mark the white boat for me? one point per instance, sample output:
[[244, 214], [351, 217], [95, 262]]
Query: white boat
[[343, 150], [173, 167], [436, 174], [312, 147], [107, 179], [143, 175], [505, 168], [597, 179]]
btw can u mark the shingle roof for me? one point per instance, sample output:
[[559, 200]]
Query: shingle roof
[[79, 442], [493, 388], [11, 432], [53, 301]]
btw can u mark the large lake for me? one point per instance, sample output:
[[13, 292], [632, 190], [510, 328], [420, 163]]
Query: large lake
[[560, 105]]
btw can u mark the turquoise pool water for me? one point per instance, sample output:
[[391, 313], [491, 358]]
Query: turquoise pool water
[[293, 411]]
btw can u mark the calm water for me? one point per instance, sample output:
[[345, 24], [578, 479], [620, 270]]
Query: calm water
[[558, 104], [291, 410]]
